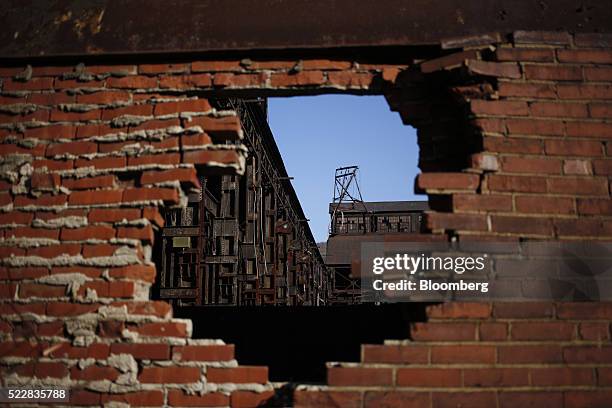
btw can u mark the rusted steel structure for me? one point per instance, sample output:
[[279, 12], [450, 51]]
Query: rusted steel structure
[[356, 222], [243, 240]]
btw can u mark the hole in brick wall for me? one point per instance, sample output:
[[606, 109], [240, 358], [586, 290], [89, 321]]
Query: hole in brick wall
[[311, 137]]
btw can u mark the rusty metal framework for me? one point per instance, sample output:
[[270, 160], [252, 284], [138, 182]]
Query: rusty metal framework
[[243, 240]]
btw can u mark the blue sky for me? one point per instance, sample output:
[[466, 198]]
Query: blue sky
[[316, 134]]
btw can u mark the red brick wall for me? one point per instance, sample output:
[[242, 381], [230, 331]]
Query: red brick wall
[[514, 143]]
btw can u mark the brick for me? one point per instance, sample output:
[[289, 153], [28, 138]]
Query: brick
[[437, 221], [90, 130], [150, 194], [34, 84], [147, 308], [62, 116], [103, 163], [429, 377], [188, 175], [521, 225], [600, 110], [578, 186], [8, 290], [492, 331], [553, 72], [200, 140], [603, 167], [584, 311], [204, 66], [561, 110], [113, 215], [137, 110], [148, 351], [529, 354], [346, 79], [74, 148], [525, 54], [26, 273], [186, 81], [33, 233], [496, 377], [443, 331], [94, 373], [111, 328], [543, 331], [584, 91], [303, 78], [92, 251], [15, 217], [152, 214], [50, 99], [529, 90], [132, 82], [590, 398], [494, 69], [585, 56], [211, 156], [597, 73], [191, 105], [227, 80], [557, 376], [152, 398], [359, 376], [448, 181], [545, 205], [179, 398], [499, 108], [203, 353], [162, 329], [247, 399], [86, 183], [604, 376], [95, 197], [169, 375], [158, 159], [137, 272], [223, 128], [53, 251], [27, 290], [473, 399], [512, 145], [45, 181], [581, 148], [104, 97], [70, 309], [392, 354], [594, 206], [448, 61], [602, 40], [115, 289], [238, 375], [154, 125], [459, 310], [52, 132], [148, 69], [324, 64], [521, 184], [589, 129], [535, 127], [530, 399], [463, 354], [543, 37], [587, 354], [492, 202], [577, 167], [537, 165]]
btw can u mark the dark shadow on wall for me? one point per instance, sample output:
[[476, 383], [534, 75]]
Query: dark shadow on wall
[[296, 342]]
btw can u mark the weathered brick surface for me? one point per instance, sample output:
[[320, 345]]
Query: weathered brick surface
[[520, 149]]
